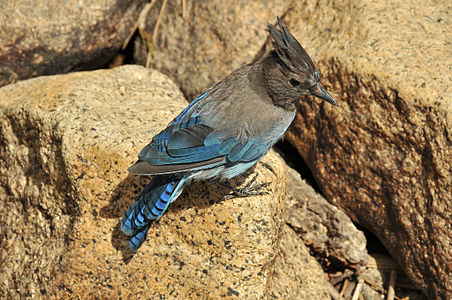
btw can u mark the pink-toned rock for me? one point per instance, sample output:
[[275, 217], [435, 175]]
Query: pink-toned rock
[[385, 154]]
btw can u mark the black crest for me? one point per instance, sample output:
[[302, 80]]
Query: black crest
[[289, 51]]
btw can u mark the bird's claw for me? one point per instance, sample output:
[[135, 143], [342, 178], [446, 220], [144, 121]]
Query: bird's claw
[[247, 191]]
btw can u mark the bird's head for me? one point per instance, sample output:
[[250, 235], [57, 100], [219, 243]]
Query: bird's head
[[290, 72]]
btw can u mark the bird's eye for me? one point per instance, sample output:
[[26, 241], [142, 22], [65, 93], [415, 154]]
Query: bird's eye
[[294, 82]]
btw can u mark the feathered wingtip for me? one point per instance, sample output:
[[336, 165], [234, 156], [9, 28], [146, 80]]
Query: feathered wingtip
[[288, 49]]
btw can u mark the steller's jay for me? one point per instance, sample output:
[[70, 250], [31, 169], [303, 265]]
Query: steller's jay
[[225, 131]]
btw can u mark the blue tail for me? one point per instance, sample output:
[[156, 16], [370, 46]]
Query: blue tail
[[149, 206]]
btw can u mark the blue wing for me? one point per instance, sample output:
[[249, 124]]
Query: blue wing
[[188, 144]]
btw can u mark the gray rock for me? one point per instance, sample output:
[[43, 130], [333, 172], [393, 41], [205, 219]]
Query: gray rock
[[325, 228], [297, 274], [52, 36], [215, 38]]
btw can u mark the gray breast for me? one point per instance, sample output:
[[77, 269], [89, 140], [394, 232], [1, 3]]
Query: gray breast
[[239, 106]]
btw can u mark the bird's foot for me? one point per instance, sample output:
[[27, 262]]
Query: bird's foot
[[248, 190]]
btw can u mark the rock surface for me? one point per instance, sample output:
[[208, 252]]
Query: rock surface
[[215, 38], [52, 36], [385, 154], [65, 145], [327, 230], [294, 264]]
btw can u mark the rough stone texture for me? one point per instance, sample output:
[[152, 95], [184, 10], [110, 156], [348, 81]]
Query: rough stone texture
[[215, 38], [385, 154], [325, 228], [52, 36], [378, 278], [65, 144], [378, 271], [297, 274]]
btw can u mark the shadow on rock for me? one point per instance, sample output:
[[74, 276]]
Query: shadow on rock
[[122, 197], [121, 242], [200, 194]]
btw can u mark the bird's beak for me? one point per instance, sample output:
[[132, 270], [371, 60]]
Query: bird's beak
[[320, 92]]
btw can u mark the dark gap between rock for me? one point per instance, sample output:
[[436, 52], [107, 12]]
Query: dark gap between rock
[[124, 57], [294, 159]]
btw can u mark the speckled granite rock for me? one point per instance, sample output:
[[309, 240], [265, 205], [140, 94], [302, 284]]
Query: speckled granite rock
[[215, 38], [52, 36], [326, 229], [297, 274], [65, 144], [385, 154]]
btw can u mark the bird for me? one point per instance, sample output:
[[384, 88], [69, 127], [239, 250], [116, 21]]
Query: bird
[[225, 131]]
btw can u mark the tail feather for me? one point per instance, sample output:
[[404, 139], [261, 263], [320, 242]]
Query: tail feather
[[149, 206], [137, 239]]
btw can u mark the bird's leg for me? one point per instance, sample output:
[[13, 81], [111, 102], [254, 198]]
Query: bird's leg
[[248, 190]]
